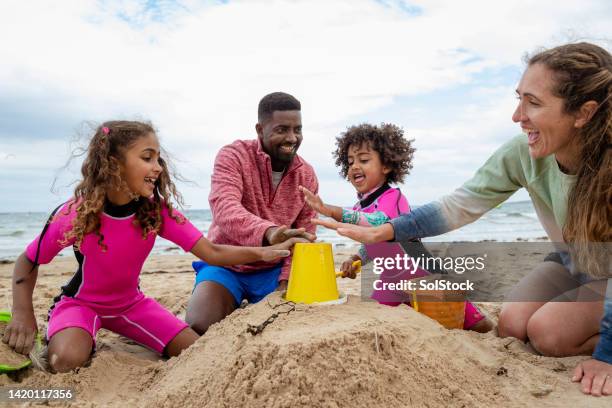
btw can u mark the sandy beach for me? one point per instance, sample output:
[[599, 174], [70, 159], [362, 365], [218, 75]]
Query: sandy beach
[[359, 354]]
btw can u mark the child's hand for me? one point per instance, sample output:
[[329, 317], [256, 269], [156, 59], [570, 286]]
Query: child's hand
[[273, 255], [347, 268], [314, 201], [21, 332]]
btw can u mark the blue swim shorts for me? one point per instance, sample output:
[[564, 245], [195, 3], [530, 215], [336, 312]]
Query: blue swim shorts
[[252, 286]]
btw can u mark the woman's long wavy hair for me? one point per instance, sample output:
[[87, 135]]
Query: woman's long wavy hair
[[582, 73], [101, 173]]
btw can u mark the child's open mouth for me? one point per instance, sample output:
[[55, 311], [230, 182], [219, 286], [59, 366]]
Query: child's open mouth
[[150, 181], [358, 178]]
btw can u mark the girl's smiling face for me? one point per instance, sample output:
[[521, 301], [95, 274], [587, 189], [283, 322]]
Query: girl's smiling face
[[140, 170], [366, 170]]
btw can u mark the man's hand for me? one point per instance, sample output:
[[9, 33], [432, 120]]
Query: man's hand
[[277, 235], [595, 377], [365, 235]]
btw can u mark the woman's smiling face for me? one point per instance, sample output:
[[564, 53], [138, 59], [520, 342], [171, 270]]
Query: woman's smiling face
[[542, 117]]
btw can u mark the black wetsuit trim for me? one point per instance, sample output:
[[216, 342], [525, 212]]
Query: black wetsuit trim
[[372, 197]]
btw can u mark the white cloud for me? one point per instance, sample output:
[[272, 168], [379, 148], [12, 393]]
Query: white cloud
[[198, 69]]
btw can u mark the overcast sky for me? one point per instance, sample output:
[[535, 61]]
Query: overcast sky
[[445, 71]]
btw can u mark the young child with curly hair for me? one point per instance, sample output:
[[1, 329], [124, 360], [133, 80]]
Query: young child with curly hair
[[119, 207], [371, 158]]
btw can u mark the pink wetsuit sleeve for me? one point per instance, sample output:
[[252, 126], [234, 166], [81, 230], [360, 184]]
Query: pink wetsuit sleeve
[[183, 233], [52, 241]]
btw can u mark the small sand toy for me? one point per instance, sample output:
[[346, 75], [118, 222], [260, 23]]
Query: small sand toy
[[9, 359], [446, 308], [356, 264], [313, 277]]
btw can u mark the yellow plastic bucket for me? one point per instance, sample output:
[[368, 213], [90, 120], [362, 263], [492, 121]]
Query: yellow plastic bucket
[[313, 278]]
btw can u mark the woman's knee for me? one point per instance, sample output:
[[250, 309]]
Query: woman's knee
[[545, 338], [562, 329], [512, 322]]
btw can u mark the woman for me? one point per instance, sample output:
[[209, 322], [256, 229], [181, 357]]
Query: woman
[[565, 163]]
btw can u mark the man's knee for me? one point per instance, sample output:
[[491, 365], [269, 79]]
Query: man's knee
[[209, 304], [198, 322]]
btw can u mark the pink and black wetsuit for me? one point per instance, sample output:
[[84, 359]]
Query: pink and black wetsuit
[[376, 208], [104, 292]]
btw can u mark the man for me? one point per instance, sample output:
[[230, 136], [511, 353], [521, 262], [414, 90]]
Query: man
[[255, 201]]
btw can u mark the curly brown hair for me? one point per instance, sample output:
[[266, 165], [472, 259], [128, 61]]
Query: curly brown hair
[[396, 152], [582, 73], [101, 173]]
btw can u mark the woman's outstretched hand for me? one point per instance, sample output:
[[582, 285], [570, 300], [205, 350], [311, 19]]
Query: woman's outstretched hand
[[595, 377], [365, 235]]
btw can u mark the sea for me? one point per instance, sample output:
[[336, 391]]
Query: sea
[[513, 221]]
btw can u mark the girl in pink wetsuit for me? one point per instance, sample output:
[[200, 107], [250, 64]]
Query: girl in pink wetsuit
[[372, 157], [119, 208]]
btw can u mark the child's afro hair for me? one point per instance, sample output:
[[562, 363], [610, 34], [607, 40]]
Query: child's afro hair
[[388, 140]]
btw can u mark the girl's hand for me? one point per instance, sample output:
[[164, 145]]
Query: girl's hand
[[365, 235], [275, 252], [21, 332], [347, 268], [315, 202], [595, 377]]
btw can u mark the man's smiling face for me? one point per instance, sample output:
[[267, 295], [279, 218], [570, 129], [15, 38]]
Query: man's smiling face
[[281, 136]]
